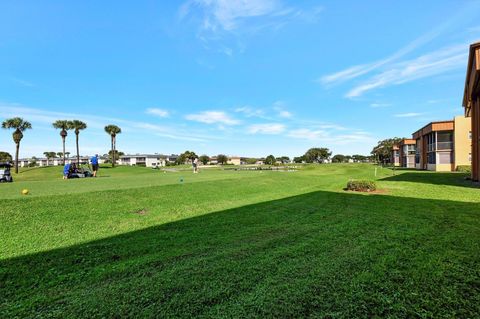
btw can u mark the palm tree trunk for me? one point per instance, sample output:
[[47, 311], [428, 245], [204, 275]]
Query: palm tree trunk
[[17, 151], [113, 153], [63, 141], [78, 152]]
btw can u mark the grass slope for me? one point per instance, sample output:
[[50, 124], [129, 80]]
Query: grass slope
[[240, 244]]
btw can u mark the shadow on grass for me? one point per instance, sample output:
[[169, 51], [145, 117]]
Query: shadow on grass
[[435, 178], [321, 254]]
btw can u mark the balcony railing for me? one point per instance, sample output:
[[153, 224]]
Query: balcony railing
[[444, 145], [440, 146]]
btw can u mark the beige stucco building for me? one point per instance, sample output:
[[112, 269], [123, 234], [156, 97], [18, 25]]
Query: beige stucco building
[[443, 146]]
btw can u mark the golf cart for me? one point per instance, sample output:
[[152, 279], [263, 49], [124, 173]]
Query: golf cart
[[80, 173], [5, 176]]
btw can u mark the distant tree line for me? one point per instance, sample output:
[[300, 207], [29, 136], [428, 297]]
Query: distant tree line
[[382, 152]]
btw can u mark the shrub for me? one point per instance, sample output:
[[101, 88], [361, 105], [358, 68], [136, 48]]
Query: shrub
[[464, 169], [361, 185]]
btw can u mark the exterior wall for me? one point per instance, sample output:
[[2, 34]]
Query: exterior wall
[[475, 123], [443, 167], [462, 141], [234, 161], [471, 102], [154, 162], [407, 153], [409, 161], [147, 160]]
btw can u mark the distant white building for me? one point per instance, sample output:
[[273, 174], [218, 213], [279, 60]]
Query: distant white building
[[235, 160], [147, 160], [57, 161]]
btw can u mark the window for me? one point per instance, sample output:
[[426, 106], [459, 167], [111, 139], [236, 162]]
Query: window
[[445, 140], [444, 157], [431, 158]]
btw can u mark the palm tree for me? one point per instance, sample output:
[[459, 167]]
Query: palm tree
[[49, 155], [77, 126], [64, 125], [113, 130], [20, 126]]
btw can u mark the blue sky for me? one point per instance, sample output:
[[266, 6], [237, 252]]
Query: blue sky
[[247, 78]]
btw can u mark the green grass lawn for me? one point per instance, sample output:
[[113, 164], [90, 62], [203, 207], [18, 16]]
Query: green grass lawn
[[137, 242]]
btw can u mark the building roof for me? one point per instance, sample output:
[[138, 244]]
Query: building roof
[[433, 127], [143, 155], [407, 141], [472, 80]]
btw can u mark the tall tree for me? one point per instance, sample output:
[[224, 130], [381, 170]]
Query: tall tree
[[317, 155], [113, 131], [19, 125], [270, 160], [383, 150], [186, 157], [204, 159], [117, 154], [5, 157], [49, 155], [77, 126], [63, 126], [222, 159], [299, 159], [359, 158], [284, 159], [338, 158]]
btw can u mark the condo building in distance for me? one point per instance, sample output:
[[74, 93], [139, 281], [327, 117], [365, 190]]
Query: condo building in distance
[[407, 152], [444, 145], [396, 155], [471, 102]]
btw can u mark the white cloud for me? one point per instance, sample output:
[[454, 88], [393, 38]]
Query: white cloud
[[249, 111], [227, 14], [40, 117], [267, 128], [464, 13], [430, 64], [212, 117], [157, 112], [284, 114], [308, 134], [279, 106], [411, 114], [358, 70], [231, 22]]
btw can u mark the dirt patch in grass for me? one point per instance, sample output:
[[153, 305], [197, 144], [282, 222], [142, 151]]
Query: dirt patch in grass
[[378, 191], [140, 211]]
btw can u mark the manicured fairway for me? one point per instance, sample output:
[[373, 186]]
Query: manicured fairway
[[237, 244]]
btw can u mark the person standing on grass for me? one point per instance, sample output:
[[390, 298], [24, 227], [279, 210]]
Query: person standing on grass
[[195, 165], [94, 161]]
